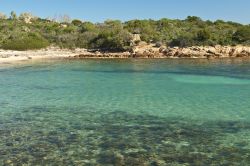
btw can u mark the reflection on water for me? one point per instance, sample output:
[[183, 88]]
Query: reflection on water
[[119, 113]]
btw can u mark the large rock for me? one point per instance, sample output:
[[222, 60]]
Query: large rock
[[207, 51]]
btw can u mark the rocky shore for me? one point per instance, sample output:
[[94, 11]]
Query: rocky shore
[[142, 50], [207, 52], [151, 51]]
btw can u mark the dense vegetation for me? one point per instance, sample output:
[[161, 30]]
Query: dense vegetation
[[25, 41], [29, 32]]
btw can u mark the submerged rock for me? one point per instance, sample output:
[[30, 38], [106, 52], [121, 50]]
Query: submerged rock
[[121, 138]]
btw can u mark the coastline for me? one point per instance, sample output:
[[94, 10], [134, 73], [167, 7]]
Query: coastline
[[139, 51], [10, 56]]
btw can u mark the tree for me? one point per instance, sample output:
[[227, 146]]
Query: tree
[[193, 19], [217, 22], [84, 39], [182, 41], [113, 23], [87, 26], [242, 34], [112, 36], [13, 15], [76, 22], [203, 35]]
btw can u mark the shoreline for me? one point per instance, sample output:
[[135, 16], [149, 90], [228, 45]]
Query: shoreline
[[143, 51]]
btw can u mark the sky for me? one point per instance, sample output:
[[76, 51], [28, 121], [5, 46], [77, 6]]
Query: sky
[[100, 10]]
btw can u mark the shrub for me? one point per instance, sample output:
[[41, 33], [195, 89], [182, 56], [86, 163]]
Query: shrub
[[76, 22], [112, 41], [87, 26], [242, 34], [202, 35], [83, 40], [26, 42], [182, 41]]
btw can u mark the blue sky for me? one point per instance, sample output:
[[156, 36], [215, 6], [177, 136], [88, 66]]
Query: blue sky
[[100, 10]]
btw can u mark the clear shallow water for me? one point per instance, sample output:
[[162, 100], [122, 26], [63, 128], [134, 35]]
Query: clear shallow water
[[125, 112]]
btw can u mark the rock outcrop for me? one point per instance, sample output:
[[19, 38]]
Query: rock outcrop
[[144, 50], [141, 50], [98, 54], [152, 51]]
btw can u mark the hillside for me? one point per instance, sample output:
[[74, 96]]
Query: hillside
[[26, 32]]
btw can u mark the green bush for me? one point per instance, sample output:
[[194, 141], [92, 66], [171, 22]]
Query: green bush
[[25, 42], [242, 35], [76, 22], [87, 26], [111, 36], [182, 41], [113, 41], [203, 35]]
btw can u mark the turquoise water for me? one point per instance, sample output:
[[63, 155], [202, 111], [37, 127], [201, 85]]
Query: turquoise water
[[125, 112]]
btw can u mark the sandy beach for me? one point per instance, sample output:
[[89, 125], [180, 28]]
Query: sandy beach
[[10, 56]]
